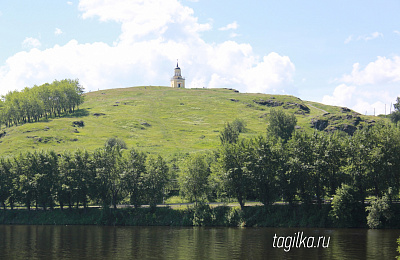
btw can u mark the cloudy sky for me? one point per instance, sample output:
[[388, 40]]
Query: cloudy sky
[[338, 52]]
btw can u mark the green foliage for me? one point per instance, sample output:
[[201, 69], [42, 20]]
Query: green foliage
[[265, 170], [5, 181], [234, 159], [379, 212], [202, 215], [154, 180], [395, 115], [193, 178], [46, 100], [229, 134], [398, 248], [239, 125], [235, 217], [347, 206], [108, 181], [134, 167], [280, 124], [113, 141]]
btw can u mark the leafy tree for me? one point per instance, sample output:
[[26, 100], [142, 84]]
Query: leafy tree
[[113, 141], [301, 165], [239, 125], [154, 180], [193, 179], [44, 166], [234, 159], [229, 134], [264, 170], [379, 212], [395, 115], [83, 176], [134, 168], [5, 181], [25, 183], [334, 158], [281, 124], [65, 187], [108, 175], [347, 208]]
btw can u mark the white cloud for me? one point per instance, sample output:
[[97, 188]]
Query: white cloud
[[365, 100], [383, 70], [58, 31], [30, 42], [154, 33], [368, 89], [368, 37], [69, 3], [372, 36], [396, 32], [341, 96], [231, 26], [348, 39]]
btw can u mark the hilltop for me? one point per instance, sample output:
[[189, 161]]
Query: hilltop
[[169, 121]]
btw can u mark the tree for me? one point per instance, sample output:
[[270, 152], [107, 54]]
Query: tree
[[108, 180], [347, 209], [25, 184], [134, 168], [44, 166], [395, 115], [113, 141], [301, 165], [193, 179], [234, 159], [65, 187], [264, 170], [281, 125], [229, 134], [5, 181], [154, 180], [379, 212]]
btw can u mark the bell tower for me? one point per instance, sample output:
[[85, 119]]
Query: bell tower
[[177, 81]]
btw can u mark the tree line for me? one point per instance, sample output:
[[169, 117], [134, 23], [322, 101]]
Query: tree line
[[104, 177], [47, 100], [293, 166]]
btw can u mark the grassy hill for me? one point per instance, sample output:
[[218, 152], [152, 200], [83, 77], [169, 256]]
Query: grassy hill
[[167, 121]]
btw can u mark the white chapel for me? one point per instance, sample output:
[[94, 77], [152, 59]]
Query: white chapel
[[177, 81]]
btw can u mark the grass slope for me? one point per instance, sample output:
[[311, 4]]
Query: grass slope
[[155, 119]]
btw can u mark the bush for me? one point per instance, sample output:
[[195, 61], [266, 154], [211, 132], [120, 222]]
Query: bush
[[202, 215], [235, 217], [111, 142], [379, 212], [347, 209]]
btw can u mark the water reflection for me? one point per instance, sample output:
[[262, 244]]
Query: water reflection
[[93, 242]]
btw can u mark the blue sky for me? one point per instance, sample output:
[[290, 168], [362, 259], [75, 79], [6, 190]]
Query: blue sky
[[343, 53]]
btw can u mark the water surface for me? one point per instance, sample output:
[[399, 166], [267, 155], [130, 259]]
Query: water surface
[[95, 242]]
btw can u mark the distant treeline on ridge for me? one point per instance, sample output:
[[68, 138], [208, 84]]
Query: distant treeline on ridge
[[47, 100]]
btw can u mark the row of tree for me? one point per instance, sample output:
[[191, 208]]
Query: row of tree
[[307, 167], [311, 167], [103, 177], [47, 100]]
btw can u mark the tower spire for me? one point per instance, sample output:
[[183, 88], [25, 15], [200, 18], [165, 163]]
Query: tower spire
[[177, 63]]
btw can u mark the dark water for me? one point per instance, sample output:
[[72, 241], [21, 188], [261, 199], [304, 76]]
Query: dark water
[[93, 242]]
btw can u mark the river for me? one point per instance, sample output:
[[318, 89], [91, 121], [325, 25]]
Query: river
[[99, 242]]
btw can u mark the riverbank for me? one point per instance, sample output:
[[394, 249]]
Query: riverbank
[[203, 215]]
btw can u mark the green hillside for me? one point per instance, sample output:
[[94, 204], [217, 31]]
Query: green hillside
[[166, 120]]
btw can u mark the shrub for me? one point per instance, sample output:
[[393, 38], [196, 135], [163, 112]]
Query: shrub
[[347, 209], [379, 212]]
